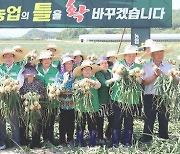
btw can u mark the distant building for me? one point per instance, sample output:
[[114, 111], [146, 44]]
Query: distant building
[[126, 38]]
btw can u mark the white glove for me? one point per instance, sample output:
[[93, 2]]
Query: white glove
[[116, 77], [66, 77]]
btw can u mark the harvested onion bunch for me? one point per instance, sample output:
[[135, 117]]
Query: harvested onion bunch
[[53, 92], [83, 97], [31, 110], [10, 101], [92, 58], [52, 100], [139, 60], [128, 86], [167, 90]]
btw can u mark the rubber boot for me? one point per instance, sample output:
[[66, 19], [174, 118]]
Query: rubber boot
[[127, 137], [116, 133], [92, 134], [80, 140]]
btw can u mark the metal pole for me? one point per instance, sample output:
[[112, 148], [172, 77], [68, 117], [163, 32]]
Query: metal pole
[[121, 40]]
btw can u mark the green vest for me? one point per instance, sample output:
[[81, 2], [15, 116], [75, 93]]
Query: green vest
[[103, 91], [49, 77], [94, 99], [22, 63], [116, 96], [13, 72], [55, 63]]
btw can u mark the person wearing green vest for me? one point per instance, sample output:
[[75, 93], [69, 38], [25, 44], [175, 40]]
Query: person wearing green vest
[[23, 51], [64, 80], [87, 104], [121, 113], [78, 58], [8, 59], [105, 108], [55, 51], [47, 73]]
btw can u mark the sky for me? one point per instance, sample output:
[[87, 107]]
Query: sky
[[16, 32]]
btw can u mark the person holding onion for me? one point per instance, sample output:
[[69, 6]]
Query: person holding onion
[[123, 108], [31, 84], [86, 100], [153, 106], [47, 73], [64, 80], [9, 67]]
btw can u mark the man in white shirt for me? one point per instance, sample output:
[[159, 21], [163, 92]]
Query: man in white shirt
[[157, 53]]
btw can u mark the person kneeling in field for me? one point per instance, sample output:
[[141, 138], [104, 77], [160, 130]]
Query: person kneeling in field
[[125, 95], [156, 70], [86, 100]]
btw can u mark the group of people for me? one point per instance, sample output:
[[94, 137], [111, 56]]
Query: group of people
[[89, 93]]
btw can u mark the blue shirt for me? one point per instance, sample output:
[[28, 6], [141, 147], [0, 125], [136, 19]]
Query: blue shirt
[[59, 80]]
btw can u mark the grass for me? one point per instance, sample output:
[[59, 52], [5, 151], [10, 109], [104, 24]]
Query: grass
[[88, 47], [160, 146], [171, 146]]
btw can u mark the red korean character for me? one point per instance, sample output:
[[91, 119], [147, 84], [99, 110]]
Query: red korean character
[[79, 15], [71, 9]]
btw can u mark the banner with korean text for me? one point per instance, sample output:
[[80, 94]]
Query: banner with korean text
[[85, 13]]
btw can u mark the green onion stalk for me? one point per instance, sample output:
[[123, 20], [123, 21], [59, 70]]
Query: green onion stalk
[[167, 91], [129, 87], [31, 110], [51, 100], [83, 99], [9, 97]]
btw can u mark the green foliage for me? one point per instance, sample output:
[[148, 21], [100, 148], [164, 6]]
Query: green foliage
[[72, 33]]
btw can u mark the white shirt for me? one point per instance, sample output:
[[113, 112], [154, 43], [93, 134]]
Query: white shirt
[[45, 71], [164, 67], [9, 68]]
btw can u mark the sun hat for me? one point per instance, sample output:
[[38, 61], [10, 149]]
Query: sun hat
[[17, 56], [86, 63], [111, 53], [45, 54], [29, 69], [148, 43], [66, 59], [101, 59], [53, 46], [157, 47], [24, 51], [130, 49], [78, 53]]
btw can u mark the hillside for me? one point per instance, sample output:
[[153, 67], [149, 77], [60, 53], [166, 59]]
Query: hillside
[[39, 34]]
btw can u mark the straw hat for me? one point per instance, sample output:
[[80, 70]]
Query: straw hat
[[157, 47], [129, 49], [45, 54], [24, 51], [78, 53], [86, 63], [111, 53], [17, 56], [54, 46], [66, 59]]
